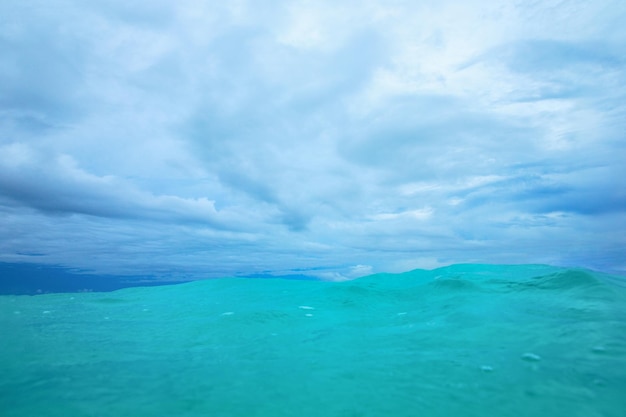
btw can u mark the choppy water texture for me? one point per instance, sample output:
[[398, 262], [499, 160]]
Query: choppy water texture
[[466, 340]]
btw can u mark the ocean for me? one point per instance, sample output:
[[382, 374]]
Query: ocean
[[464, 340]]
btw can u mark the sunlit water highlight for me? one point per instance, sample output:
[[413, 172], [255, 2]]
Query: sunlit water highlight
[[466, 340]]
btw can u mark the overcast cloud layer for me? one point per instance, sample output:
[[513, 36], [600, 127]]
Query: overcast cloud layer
[[326, 138]]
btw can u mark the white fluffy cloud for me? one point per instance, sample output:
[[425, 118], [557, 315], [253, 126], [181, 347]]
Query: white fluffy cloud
[[202, 138]]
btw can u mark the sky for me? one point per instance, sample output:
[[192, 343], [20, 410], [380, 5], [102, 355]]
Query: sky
[[333, 139]]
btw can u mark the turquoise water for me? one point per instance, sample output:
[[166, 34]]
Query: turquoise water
[[465, 340]]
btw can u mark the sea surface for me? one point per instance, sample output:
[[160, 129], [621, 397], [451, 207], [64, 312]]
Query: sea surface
[[464, 340]]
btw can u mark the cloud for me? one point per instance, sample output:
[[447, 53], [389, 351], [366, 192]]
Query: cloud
[[548, 69], [56, 185], [207, 138]]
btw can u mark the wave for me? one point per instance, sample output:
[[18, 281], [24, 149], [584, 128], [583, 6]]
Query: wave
[[471, 340]]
